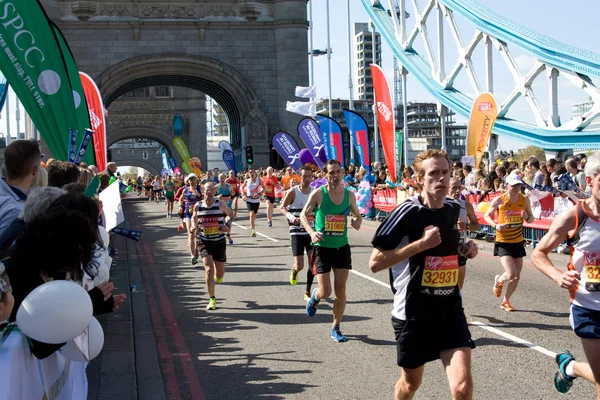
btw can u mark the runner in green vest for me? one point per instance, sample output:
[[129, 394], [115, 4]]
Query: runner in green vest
[[331, 204]]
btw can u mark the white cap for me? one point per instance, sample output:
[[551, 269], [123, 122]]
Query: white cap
[[190, 176], [513, 179]]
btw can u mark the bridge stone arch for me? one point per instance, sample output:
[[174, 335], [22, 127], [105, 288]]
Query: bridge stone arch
[[213, 77], [133, 162], [147, 132]]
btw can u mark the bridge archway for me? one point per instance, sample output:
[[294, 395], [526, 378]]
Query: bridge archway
[[140, 164], [208, 75], [147, 132]]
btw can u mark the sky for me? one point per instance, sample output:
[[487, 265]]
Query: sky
[[573, 22]]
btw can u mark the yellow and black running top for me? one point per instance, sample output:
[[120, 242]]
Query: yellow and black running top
[[509, 214]]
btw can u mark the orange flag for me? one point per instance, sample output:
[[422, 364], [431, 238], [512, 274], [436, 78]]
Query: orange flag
[[481, 122], [385, 118], [97, 121]]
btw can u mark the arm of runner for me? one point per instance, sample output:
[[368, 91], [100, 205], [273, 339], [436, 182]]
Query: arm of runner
[[225, 208], [473, 221], [491, 210], [194, 218], [314, 199], [288, 198], [383, 259], [528, 214], [560, 229], [357, 220]]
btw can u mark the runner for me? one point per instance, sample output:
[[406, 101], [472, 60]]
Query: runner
[[211, 238], [289, 175], [169, 188], [467, 221], [270, 182], [190, 196], [580, 227], [148, 186], [224, 192], [251, 189], [140, 184], [180, 211], [513, 208], [156, 189], [233, 201], [291, 206], [331, 205], [428, 318]]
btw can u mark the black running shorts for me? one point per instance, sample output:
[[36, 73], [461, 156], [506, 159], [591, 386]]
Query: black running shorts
[[301, 243], [514, 250], [327, 258], [252, 207], [419, 342], [215, 249], [271, 199]]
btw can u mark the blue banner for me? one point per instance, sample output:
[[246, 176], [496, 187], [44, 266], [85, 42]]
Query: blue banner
[[72, 144], [128, 233], [163, 155], [83, 146], [172, 162], [359, 131], [229, 160], [310, 133], [287, 148], [332, 138]]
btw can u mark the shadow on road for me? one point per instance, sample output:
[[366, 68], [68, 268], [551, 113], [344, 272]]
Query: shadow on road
[[497, 323]]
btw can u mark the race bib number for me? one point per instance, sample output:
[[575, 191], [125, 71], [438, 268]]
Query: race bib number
[[440, 275], [210, 226], [335, 225], [591, 262], [513, 218]]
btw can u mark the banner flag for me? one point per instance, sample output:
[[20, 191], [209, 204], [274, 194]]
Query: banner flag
[[97, 118], [287, 148], [310, 133], [224, 145], [81, 107], [399, 154], [3, 91], [229, 160], [92, 188], [163, 156], [306, 108], [128, 233], [359, 131], [307, 92], [196, 165], [83, 146], [332, 138], [72, 144], [37, 73], [172, 162], [481, 122], [385, 117], [184, 153]]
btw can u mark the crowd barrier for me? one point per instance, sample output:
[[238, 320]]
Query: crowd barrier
[[386, 200]]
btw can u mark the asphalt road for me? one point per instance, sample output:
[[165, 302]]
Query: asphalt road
[[259, 343]]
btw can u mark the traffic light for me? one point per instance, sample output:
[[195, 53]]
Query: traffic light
[[249, 155]]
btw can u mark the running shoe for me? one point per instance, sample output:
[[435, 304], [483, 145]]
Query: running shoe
[[505, 305], [218, 280], [306, 296], [497, 286], [229, 239], [313, 303], [294, 277], [337, 336], [212, 304], [562, 381], [252, 233], [194, 260], [270, 224]]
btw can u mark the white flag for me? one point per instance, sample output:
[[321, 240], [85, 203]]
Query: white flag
[[308, 92], [308, 108]]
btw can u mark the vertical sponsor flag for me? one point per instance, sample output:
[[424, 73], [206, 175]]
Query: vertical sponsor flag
[[481, 122], [184, 153], [359, 131], [385, 117], [399, 155], [310, 133], [287, 148], [229, 160], [224, 145], [163, 156], [97, 120], [172, 162], [332, 138], [31, 61], [83, 115]]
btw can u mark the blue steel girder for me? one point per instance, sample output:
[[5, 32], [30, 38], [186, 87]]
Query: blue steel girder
[[578, 62]]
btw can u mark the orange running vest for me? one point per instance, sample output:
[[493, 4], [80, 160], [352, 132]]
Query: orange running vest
[[510, 213]]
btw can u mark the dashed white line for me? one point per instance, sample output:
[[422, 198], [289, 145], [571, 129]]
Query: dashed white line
[[377, 281], [240, 226], [258, 233]]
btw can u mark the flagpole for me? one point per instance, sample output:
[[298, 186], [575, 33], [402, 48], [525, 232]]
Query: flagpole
[[350, 77], [311, 60], [329, 60], [8, 118], [375, 121], [18, 120]]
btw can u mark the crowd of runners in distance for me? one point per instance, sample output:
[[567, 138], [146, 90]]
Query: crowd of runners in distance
[[423, 244]]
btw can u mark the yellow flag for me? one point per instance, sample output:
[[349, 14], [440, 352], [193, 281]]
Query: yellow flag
[[481, 122]]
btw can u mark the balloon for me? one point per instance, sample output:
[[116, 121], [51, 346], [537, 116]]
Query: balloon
[[95, 338], [306, 157], [104, 237], [55, 312], [112, 179], [483, 207], [369, 204]]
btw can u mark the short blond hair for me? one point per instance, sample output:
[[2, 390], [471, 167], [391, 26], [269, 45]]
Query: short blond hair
[[424, 155]]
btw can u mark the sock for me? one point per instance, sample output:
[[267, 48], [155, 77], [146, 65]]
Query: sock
[[570, 369], [309, 279], [213, 297], [336, 328]]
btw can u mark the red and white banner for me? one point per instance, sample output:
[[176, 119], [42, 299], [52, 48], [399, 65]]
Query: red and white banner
[[97, 121], [385, 118]]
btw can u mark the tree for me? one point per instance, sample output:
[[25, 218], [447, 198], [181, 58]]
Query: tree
[[529, 151]]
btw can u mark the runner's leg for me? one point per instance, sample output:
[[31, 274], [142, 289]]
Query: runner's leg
[[458, 369], [252, 219], [462, 272], [209, 274], [270, 207], [514, 277], [409, 382], [310, 276], [591, 371], [340, 278], [220, 270], [324, 290], [191, 237]]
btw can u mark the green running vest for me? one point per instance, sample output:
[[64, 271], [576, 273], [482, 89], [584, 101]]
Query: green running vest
[[331, 220]]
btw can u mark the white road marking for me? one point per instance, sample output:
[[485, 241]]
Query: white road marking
[[258, 233], [477, 323], [240, 226]]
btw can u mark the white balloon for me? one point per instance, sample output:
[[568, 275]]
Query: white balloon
[[55, 312], [95, 343], [104, 237]]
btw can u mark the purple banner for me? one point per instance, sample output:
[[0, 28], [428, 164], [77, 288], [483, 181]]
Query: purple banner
[[83, 146], [332, 138], [310, 133], [287, 148], [359, 132]]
